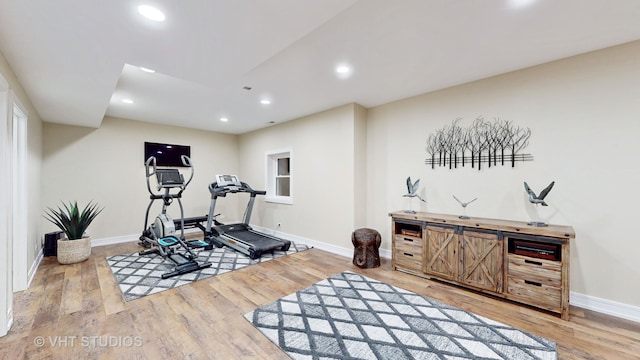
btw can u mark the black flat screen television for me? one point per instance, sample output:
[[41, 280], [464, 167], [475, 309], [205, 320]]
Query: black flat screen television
[[166, 154]]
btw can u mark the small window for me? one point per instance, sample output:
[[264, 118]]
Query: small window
[[279, 176], [283, 177]]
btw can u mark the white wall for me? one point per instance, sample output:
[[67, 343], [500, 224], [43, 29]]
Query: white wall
[[360, 167], [322, 171], [583, 114], [107, 165]]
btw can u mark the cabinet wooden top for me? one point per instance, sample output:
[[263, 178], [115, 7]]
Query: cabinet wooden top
[[561, 231]]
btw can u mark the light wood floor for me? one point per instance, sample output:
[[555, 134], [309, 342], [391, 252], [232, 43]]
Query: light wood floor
[[82, 305]]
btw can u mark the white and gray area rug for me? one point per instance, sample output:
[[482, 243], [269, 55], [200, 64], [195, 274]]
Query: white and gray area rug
[[350, 316], [138, 276]]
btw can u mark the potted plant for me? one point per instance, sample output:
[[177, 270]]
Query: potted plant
[[76, 247]]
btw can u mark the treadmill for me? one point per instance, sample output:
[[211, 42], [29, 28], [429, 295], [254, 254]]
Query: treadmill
[[239, 236]]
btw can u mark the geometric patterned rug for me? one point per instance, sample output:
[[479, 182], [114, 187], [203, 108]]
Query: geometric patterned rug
[[350, 316], [138, 276]]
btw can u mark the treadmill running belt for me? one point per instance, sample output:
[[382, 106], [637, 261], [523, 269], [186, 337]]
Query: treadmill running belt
[[260, 241]]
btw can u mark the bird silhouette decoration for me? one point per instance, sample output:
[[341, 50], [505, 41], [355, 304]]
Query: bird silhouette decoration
[[464, 207], [464, 204], [412, 189], [412, 192], [538, 199]]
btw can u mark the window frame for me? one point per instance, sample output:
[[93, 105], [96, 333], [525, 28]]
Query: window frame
[[271, 174]]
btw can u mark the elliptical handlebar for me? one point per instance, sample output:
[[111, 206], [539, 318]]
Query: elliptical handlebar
[[151, 162], [187, 162], [151, 169]]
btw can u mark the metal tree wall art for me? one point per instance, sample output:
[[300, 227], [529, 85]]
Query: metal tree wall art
[[484, 142]]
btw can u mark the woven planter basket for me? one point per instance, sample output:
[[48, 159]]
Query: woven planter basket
[[74, 251]]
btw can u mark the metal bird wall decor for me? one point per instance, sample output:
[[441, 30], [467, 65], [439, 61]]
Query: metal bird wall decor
[[412, 189], [538, 199], [412, 192], [464, 206]]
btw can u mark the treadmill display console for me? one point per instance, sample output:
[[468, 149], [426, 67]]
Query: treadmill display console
[[228, 180]]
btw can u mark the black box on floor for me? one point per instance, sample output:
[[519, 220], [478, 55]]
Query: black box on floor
[[51, 243]]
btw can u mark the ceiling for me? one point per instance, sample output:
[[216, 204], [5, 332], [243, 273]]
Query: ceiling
[[77, 60]]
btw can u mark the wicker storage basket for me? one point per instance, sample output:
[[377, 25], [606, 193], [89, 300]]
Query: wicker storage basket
[[74, 251]]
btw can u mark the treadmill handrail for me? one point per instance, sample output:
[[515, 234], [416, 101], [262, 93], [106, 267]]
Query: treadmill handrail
[[222, 191]]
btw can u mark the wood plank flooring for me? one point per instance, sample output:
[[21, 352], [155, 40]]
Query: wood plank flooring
[[77, 312]]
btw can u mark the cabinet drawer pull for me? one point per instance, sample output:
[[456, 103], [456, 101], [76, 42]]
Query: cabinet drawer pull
[[532, 283], [408, 254], [533, 262], [407, 239]]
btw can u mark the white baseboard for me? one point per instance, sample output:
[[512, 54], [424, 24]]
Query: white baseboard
[[34, 267], [604, 306], [114, 240], [9, 320], [339, 250]]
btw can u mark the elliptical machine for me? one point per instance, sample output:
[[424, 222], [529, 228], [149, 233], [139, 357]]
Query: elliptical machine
[[160, 236]]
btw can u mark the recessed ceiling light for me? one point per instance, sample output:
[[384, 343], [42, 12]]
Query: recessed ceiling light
[[151, 71], [265, 102], [343, 69], [151, 13], [224, 119], [520, 3], [127, 101]]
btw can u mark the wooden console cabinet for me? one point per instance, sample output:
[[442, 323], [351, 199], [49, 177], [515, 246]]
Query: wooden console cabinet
[[504, 258]]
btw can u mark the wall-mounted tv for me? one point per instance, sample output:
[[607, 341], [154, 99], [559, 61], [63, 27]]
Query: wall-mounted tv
[[166, 154]]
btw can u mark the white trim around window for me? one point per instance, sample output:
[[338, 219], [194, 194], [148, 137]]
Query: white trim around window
[[278, 176]]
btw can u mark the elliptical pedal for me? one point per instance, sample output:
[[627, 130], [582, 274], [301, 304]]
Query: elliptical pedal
[[168, 241]]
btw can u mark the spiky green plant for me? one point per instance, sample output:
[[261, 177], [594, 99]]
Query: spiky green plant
[[71, 220]]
